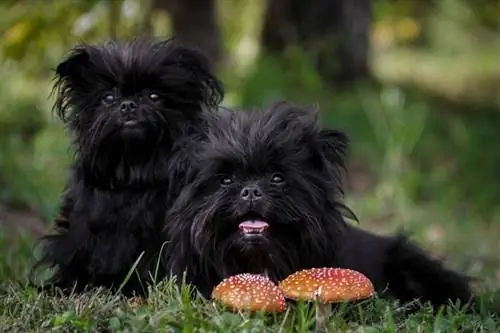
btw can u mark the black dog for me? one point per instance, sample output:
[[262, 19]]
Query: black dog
[[129, 108], [267, 198]]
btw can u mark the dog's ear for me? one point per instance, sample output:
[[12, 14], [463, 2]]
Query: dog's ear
[[333, 145], [200, 67], [68, 72], [74, 64]]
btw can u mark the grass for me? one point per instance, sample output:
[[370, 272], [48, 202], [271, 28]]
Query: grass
[[169, 308]]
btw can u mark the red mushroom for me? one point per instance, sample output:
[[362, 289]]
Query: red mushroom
[[250, 292], [135, 302], [326, 286]]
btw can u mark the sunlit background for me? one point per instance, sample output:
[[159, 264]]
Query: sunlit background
[[415, 84]]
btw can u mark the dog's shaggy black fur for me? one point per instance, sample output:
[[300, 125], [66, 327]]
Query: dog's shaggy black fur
[[129, 107], [279, 167]]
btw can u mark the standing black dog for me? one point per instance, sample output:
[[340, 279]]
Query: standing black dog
[[267, 198], [128, 107]]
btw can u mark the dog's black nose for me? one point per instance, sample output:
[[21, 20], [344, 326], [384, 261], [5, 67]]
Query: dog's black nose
[[251, 192], [127, 106]]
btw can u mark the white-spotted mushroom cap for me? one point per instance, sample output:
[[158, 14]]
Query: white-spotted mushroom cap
[[250, 292], [329, 285]]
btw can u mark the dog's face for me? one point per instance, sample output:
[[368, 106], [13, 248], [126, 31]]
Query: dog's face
[[142, 91], [264, 183]]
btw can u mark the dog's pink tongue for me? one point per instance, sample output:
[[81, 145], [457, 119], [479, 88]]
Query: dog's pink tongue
[[253, 224]]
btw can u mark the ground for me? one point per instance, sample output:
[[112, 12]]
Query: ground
[[472, 249]]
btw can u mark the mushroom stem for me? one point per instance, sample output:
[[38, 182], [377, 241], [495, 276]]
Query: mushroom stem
[[322, 314]]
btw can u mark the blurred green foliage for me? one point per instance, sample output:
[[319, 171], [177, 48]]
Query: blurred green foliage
[[33, 148], [418, 136]]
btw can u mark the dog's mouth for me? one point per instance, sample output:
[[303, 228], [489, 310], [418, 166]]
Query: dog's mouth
[[253, 225], [130, 122]]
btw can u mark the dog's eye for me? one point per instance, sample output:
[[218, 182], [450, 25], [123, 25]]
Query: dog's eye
[[154, 96], [108, 98], [226, 180], [277, 178]]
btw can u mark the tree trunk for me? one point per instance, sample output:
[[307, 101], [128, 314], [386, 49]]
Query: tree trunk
[[114, 11], [147, 23], [335, 34], [195, 22], [279, 29]]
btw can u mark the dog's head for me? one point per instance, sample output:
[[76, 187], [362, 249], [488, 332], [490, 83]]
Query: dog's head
[[266, 195], [140, 93]]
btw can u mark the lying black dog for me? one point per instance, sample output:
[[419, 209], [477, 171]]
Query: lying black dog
[[266, 198], [128, 107]]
